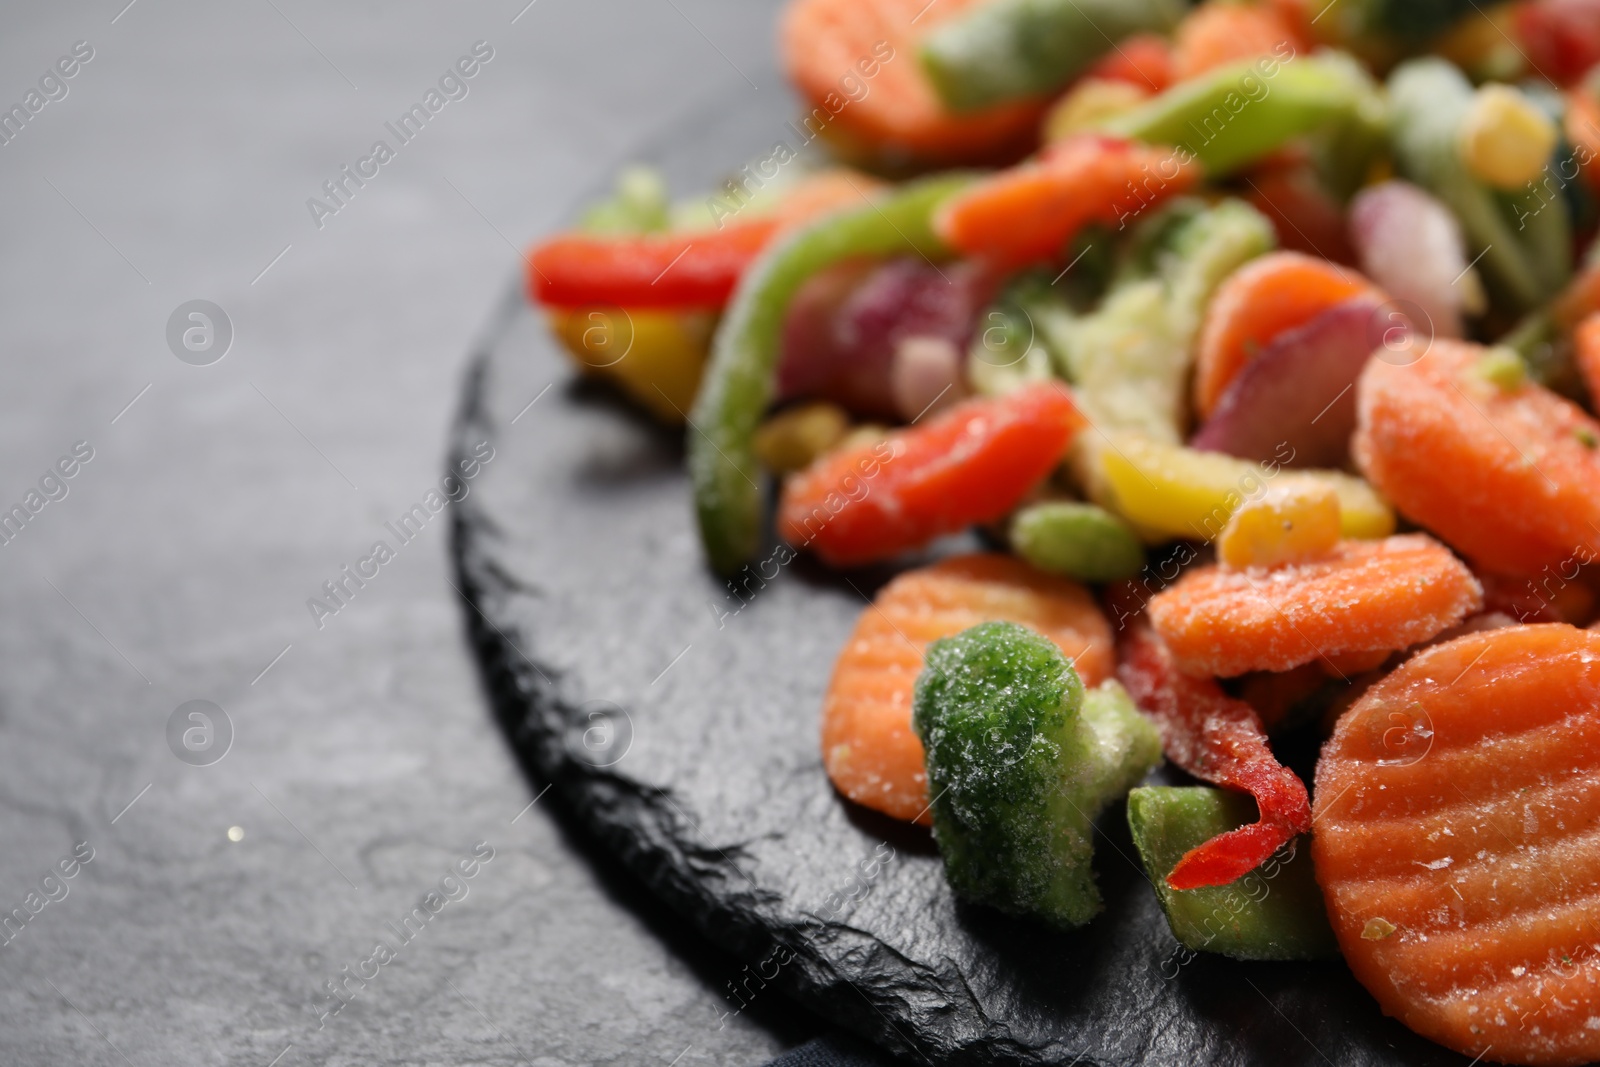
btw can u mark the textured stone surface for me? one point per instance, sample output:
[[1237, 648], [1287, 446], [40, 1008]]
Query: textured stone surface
[[192, 540], [597, 622]]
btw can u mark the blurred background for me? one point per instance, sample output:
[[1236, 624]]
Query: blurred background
[[258, 387]]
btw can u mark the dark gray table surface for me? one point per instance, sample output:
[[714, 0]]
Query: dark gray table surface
[[220, 498]]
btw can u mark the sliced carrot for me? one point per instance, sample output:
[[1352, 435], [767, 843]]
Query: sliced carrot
[[1366, 596], [834, 48], [1457, 814], [1256, 303], [1587, 345], [1145, 60], [1029, 212], [970, 464], [1220, 32], [1506, 476], [871, 753]]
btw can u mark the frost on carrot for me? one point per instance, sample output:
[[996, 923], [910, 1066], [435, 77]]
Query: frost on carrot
[[1503, 470], [868, 746], [1363, 596], [1456, 809], [829, 47], [971, 464]]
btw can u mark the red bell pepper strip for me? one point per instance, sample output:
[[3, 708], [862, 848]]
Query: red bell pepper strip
[[973, 463], [686, 270], [1219, 740], [667, 270]]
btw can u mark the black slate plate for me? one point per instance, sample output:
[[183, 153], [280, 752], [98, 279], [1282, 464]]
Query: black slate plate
[[678, 721]]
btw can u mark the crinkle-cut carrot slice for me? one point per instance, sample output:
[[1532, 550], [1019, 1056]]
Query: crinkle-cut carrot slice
[[1031, 211], [855, 61], [1219, 32], [1256, 303], [870, 751], [1509, 477], [1365, 596], [1458, 843]]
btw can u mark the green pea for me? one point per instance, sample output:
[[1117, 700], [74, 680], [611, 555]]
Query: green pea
[[1078, 540]]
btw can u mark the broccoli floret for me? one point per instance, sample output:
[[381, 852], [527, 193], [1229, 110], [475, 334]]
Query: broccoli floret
[[1020, 761], [1130, 360]]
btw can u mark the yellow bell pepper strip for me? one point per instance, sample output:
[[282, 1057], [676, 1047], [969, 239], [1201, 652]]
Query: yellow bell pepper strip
[[1169, 492], [739, 380], [654, 356]]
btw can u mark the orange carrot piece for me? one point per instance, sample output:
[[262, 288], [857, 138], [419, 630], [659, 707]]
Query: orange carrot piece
[[1029, 212], [1506, 476], [829, 46], [1367, 596], [1587, 344], [870, 751], [1457, 806], [1220, 32], [1256, 303]]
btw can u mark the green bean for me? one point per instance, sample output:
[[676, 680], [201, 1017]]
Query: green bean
[[739, 378]]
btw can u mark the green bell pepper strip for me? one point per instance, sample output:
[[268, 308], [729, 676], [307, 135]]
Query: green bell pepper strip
[[1273, 913], [739, 378], [1524, 240], [1236, 114], [1010, 49]]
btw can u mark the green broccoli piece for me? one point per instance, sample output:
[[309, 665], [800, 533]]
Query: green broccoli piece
[[1020, 762], [1273, 913], [1130, 360]]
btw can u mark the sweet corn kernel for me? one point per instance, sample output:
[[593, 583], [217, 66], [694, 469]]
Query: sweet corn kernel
[[1288, 524], [1506, 140], [1087, 103], [791, 439]]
